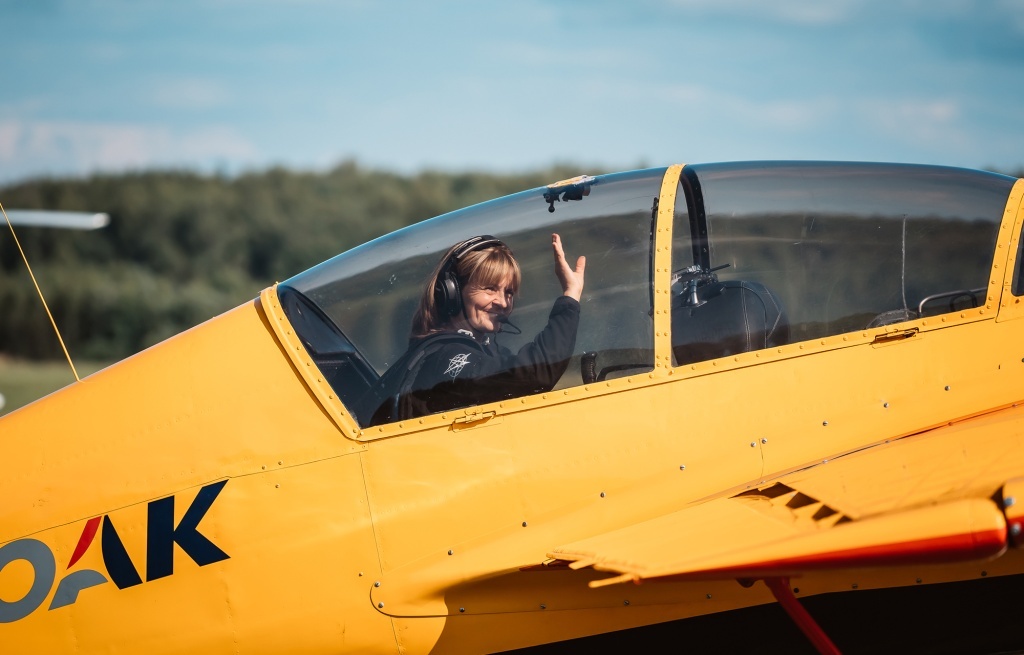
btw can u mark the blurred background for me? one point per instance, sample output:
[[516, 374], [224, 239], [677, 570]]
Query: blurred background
[[235, 143]]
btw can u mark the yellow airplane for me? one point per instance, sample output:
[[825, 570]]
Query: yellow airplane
[[792, 381]]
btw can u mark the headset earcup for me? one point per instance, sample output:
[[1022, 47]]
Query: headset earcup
[[448, 295]]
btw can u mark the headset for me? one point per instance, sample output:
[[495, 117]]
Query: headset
[[447, 290]]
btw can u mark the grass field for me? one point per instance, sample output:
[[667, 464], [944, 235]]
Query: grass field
[[22, 381]]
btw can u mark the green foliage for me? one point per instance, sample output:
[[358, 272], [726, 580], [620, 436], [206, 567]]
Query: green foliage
[[183, 247]]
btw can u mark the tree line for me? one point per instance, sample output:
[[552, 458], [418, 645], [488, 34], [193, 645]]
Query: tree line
[[182, 247]]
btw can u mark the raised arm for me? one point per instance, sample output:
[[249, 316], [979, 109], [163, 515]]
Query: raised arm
[[570, 279]]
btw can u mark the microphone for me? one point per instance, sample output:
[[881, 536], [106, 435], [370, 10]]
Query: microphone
[[503, 319]]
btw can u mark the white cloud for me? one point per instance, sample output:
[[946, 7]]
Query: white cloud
[[785, 11], [1013, 10], [697, 104], [189, 93], [63, 147], [105, 52], [835, 12], [915, 122], [559, 61], [8, 141]]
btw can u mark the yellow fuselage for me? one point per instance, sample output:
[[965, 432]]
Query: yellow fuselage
[[427, 535]]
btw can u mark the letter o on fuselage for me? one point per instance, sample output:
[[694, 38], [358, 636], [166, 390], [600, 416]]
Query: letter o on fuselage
[[44, 567]]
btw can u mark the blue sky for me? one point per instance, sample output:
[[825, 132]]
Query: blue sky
[[232, 85]]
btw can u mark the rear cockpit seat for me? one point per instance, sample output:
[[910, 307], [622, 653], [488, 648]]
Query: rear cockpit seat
[[719, 319]]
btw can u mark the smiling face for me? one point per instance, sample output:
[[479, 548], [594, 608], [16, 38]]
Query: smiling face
[[487, 280], [484, 305]]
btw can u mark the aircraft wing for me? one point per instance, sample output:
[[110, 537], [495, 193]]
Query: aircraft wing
[[891, 504], [61, 219], [733, 538]]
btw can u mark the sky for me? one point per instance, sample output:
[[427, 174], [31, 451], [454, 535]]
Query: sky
[[228, 86]]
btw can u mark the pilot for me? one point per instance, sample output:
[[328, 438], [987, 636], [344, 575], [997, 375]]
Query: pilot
[[453, 359]]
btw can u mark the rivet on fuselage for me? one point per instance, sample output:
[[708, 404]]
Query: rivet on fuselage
[[763, 440], [380, 604], [602, 494], [462, 609], [682, 467], [625, 602], [1009, 501], [524, 524], [377, 583], [709, 596], [451, 552]]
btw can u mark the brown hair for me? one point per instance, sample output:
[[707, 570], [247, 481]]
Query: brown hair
[[485, 267]]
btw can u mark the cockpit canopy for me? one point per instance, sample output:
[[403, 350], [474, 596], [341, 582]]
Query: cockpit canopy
[[848, 246], [763, 254]]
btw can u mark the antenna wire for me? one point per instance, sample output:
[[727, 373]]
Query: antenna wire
[[40, 292]]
